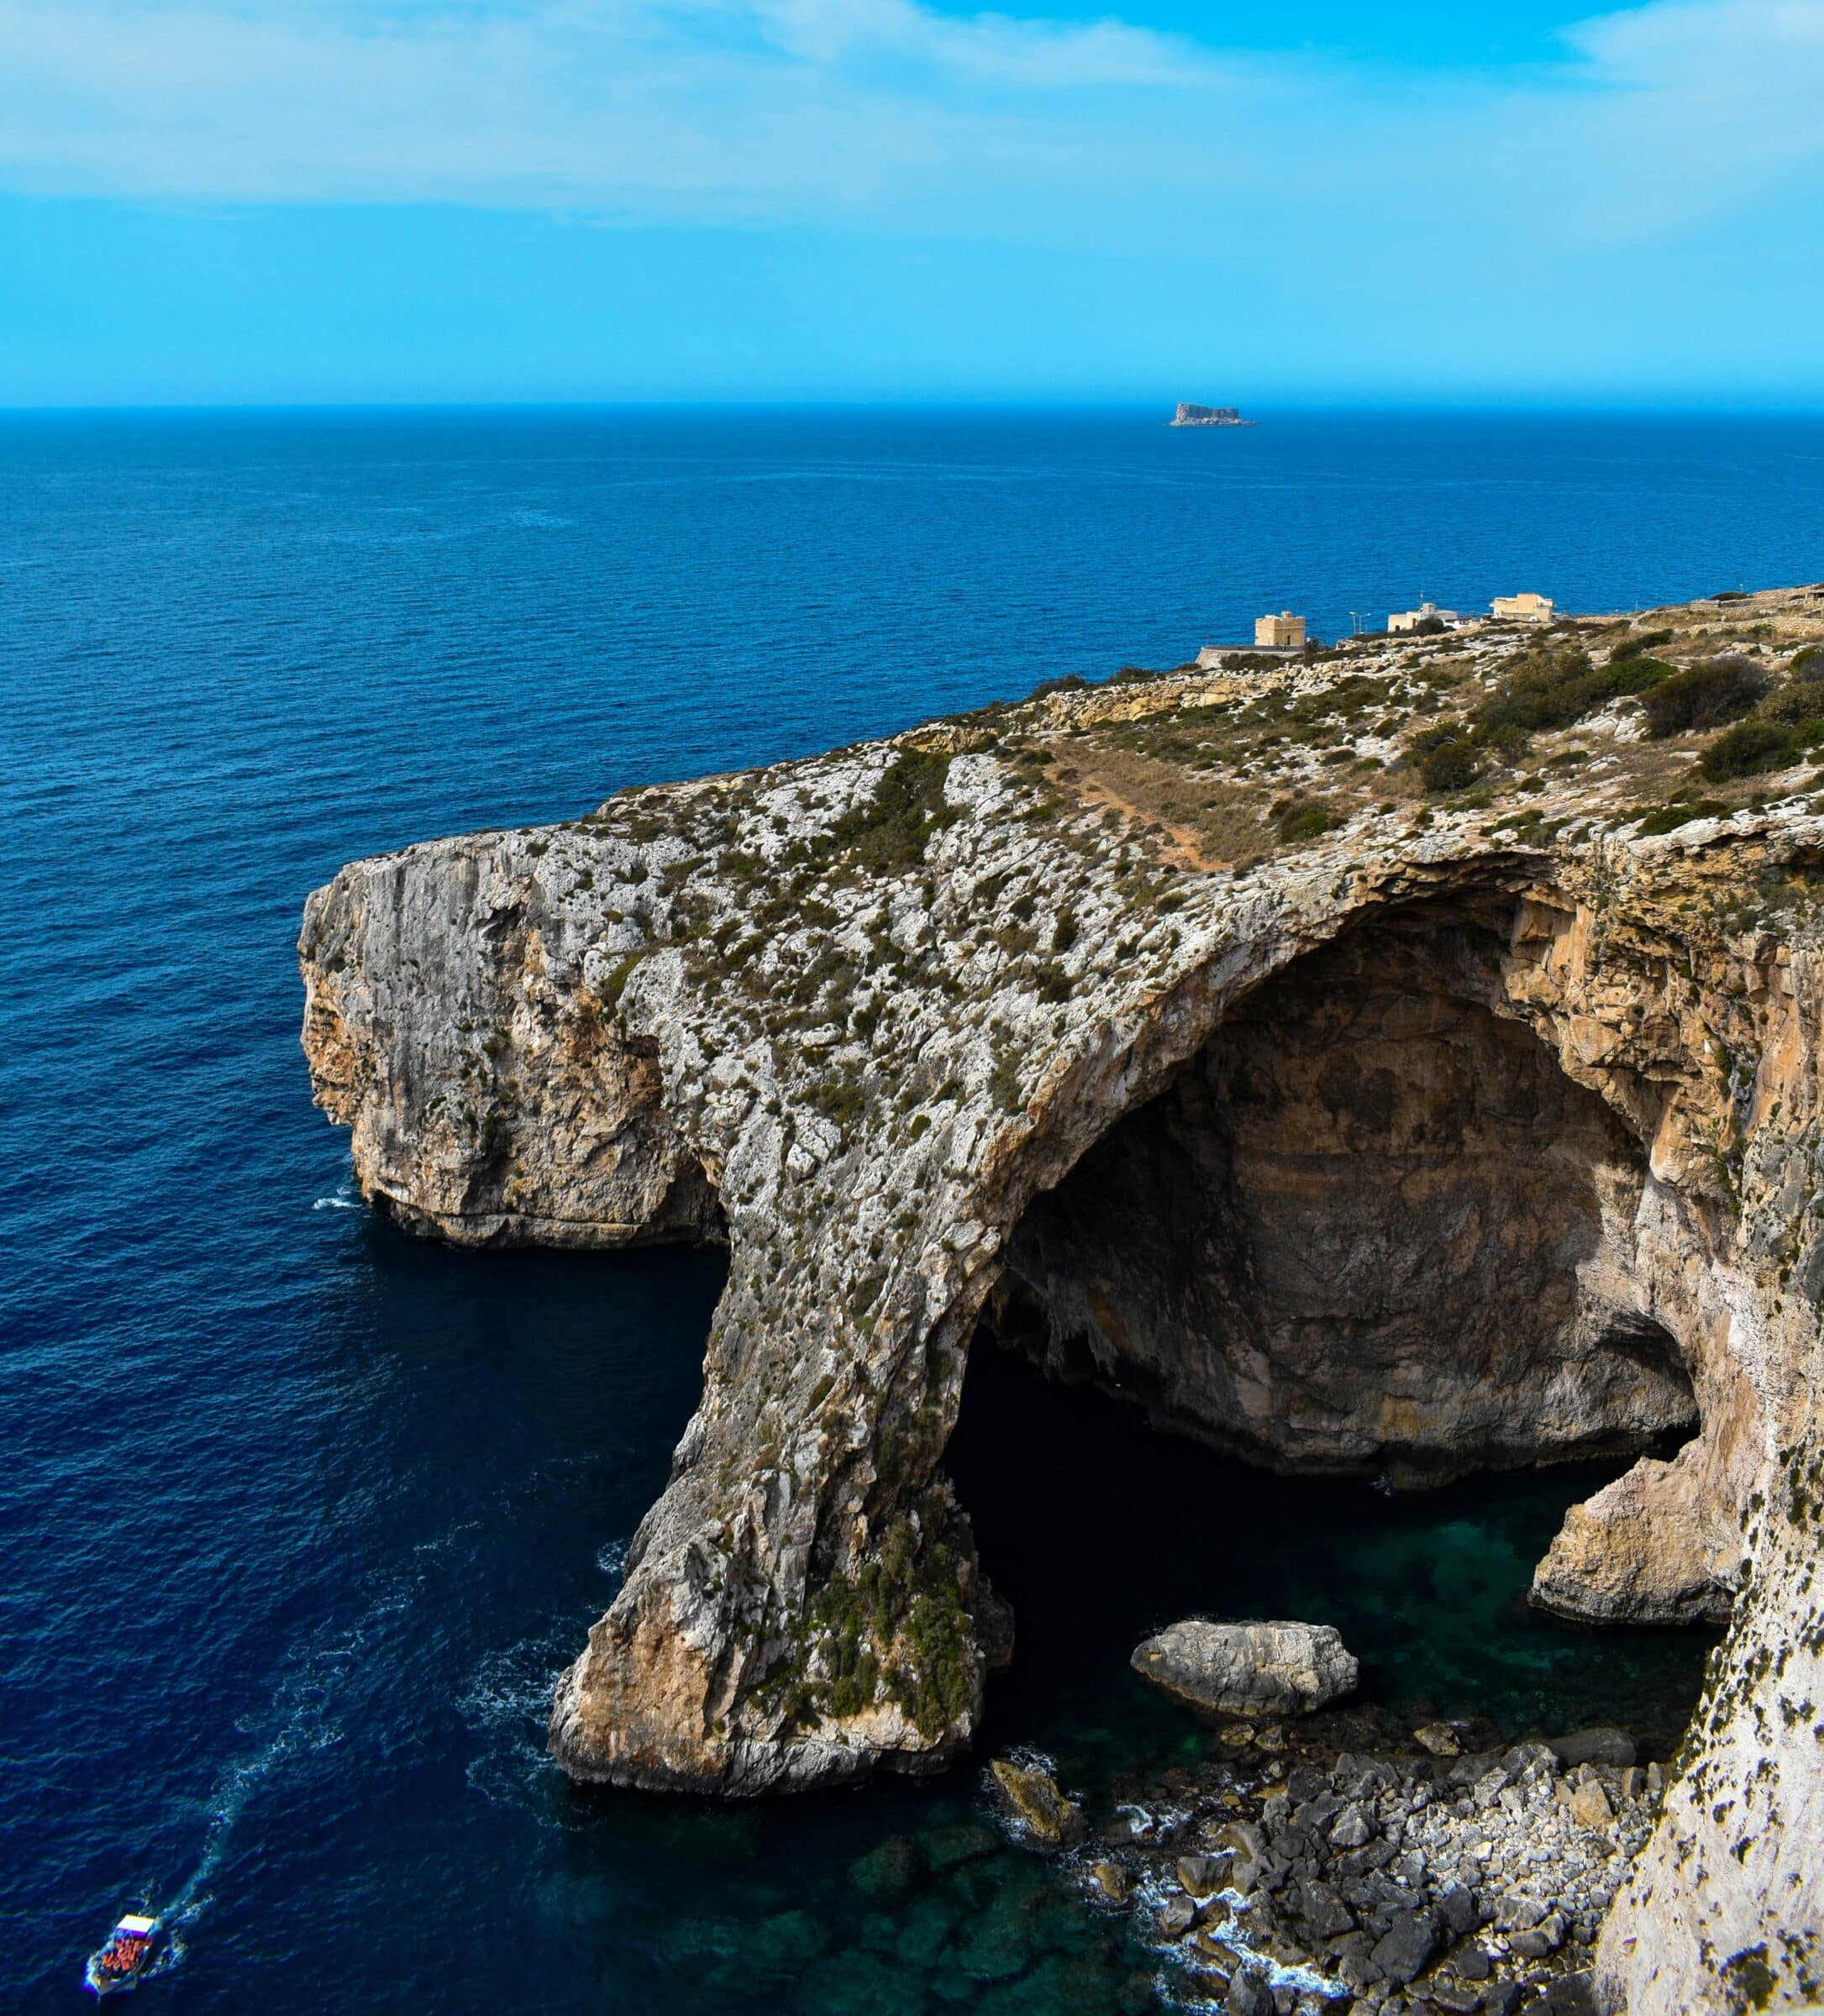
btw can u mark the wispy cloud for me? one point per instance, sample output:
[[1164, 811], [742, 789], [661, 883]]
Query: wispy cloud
[[1664, 117], [986, 48]]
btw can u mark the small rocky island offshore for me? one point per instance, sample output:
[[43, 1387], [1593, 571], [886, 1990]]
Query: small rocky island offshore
[[1398, 1061], [1189, 415]]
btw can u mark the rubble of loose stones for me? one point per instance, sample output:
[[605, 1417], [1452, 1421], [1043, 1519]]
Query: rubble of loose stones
[[1299, 1878]]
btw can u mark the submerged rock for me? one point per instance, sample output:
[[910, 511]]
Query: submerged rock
[[855, 1983], [926, 1930], [945, 1847], [785, 1943], [887, 1870], [1242, 1668], [1061, 1984]]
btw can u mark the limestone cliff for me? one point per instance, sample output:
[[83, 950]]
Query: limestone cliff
[[1400, 1062]]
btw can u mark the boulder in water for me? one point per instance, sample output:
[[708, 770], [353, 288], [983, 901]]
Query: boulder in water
[[1176, 1916], [1248, 1668], [1043, 1817], [1110, 1882], [1604, 1745]]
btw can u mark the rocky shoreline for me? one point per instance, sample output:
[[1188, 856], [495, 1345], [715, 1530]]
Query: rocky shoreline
[[1407, 1871]]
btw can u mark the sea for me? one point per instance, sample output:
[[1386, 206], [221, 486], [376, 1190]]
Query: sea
[[299, 1517]]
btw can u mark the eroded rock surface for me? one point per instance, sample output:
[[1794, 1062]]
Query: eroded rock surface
[[1283, 1669], [1465, 1076], [1366, 1158], [1654, 1548]]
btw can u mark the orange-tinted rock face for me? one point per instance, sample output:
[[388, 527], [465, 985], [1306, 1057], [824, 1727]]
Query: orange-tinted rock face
[[1371, 1227]]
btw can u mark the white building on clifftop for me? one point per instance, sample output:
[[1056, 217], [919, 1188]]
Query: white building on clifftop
[[1402, 622]]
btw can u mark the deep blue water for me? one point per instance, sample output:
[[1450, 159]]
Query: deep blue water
[[297, 1519]]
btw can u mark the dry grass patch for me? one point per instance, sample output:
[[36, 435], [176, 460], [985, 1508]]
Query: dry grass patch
[[1205, 815]]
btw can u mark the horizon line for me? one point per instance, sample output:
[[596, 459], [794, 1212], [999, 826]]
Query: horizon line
[[1807, 406]]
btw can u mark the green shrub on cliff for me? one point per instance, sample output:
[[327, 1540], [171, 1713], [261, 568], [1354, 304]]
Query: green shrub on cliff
[[1799, 705], [1545, 690], [1750, 749], [1787, 722], [1704, 696], [1297, 819], [900, 1621], [1669, 818], [614, 981], [1447, 758], [890, 831], [842, 1099]]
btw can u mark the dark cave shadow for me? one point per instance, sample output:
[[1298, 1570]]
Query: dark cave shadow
[[1099, 1529]]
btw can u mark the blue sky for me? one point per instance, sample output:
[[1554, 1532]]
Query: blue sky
[[218, 201]]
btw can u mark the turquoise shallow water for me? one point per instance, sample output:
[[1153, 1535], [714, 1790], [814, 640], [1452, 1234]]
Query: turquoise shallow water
[[298, 1519], [1428, 1590]]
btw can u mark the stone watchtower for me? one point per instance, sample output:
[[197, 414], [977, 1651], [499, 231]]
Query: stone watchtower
[[1282, 633]]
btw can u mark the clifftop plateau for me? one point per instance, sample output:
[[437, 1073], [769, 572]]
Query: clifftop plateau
[[1395, 1062]]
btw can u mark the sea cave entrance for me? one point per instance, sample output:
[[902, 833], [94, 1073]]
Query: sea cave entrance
[[1371, 1235]]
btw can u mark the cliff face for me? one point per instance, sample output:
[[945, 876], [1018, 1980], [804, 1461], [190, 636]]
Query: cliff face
[[451, 1027], [1210, 1038]]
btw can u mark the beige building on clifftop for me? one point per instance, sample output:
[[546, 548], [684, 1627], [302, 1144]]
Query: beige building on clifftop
[[1282, 633], [1527, 608]]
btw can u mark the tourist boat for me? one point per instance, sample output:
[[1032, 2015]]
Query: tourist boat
[[127, 1958]]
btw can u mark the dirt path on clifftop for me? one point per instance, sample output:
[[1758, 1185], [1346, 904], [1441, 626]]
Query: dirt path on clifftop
[[1182, 840]]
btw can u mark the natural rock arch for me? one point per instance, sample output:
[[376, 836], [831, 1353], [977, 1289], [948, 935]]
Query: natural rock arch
[[472, 1019], [830, 1616]]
